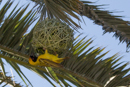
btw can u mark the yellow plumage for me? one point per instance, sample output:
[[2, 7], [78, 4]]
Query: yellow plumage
[[43, 59]]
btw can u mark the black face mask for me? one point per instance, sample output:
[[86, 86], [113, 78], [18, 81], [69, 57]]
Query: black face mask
[[34, 58]]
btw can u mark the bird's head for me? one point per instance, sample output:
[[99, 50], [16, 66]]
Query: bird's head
[[33, 58]]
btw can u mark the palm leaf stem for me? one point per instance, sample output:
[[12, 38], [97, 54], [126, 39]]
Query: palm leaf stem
[[90, 82], [13, 52]]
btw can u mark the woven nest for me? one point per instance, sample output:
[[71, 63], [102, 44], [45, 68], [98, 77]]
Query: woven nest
[[52, 35]]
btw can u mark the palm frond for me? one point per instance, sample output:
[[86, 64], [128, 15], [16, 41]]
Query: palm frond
[[62, 9], [110, 23], [7, 80], [12, 35], [88, 69], [19, 72], [11, 38], [84, 68]]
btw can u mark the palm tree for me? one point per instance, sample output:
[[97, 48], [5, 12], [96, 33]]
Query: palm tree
[[85, 67]]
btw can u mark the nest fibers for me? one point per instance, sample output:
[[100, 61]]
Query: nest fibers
[[52, 35]]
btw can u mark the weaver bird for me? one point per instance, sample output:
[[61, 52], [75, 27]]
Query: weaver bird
[[45, 59]]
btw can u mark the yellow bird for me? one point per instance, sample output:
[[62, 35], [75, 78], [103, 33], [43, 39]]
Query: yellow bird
[[45, 59]]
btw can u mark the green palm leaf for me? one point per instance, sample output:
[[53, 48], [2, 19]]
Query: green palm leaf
[[7, 80], [11, 35], [84, 68], [110, 23], [60, 9]]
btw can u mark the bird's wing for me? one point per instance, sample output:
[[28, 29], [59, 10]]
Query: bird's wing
[[50, 63]]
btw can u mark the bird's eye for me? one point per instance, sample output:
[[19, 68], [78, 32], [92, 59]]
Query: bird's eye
[[32, 58]]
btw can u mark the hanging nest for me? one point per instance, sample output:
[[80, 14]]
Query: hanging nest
[[53, 35]]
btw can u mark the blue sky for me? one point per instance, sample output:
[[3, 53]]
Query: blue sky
[[92, 30]]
